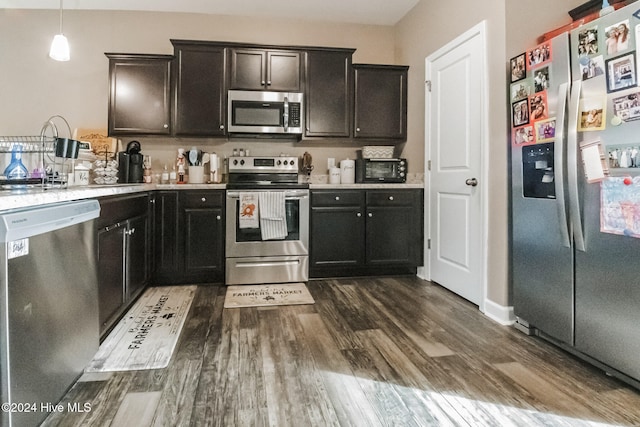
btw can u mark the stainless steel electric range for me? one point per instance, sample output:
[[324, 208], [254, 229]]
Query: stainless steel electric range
[[267, 225]]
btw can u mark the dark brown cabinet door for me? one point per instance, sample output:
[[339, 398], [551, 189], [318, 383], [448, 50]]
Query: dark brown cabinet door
[[202, 218], [336, 231], [166, 237], [380, 102], [257, 69], [199, 72], [328, 89], [110, 273], [394, 227], [137, 267], [139, 94]]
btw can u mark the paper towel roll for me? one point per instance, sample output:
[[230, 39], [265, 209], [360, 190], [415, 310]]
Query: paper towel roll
[[347, 171], [214, 168]]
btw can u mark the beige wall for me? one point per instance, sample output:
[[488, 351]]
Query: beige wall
[[34, 87]]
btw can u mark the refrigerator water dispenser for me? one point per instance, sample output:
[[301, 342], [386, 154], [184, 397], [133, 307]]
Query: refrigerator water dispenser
[[537, 171]]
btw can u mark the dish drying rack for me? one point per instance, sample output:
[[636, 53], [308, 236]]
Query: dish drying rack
[[46, 174]]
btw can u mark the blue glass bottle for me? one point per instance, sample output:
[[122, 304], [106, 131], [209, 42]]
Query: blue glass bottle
[[16, 170]]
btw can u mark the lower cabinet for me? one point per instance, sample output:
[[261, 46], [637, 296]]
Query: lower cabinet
[[189, 236], [365, 232], [124, 250]]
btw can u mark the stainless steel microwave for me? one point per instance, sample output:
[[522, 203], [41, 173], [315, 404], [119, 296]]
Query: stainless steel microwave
[[261, 112], [381, 170]]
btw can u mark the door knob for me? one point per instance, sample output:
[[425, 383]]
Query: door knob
[[472, 182]]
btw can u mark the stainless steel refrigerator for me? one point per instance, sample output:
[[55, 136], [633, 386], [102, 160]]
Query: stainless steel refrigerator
[[575, 176]]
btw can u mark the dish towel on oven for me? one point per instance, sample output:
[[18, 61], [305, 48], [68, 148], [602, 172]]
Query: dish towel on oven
[[248, 213], [273, 220]]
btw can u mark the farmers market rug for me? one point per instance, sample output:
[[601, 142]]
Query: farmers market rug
[[147, 335], [267, 295]]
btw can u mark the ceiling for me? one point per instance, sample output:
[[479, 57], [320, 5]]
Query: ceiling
[[376, 12]]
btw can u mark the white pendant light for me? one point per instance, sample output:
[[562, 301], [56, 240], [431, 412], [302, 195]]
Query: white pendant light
[[60, 45]]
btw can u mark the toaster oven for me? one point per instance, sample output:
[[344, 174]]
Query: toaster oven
[[381, 170]]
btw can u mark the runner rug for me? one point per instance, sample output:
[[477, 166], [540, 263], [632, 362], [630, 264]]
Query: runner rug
[[266, 295], [147, 335]]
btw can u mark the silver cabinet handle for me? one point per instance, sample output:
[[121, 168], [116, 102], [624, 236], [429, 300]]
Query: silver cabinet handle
[[166, 126], [337, 197], [358, 214], [472, 182], [204, 199], [218, 218], [357, 129], [391, 198], [370, 215], [221, 127]]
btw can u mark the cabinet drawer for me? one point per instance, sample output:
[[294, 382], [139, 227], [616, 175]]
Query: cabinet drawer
[[120, 208], [201, 199], [391, 198], [337, 198]]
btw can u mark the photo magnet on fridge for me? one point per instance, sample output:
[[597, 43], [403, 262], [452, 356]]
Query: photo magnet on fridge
[[545, 130], [520, 112], [518, 67], [520, 90], [621, 72], [592, 114], [539, 55], [523, 135]]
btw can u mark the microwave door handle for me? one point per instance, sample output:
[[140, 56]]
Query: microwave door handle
[[286, 114]]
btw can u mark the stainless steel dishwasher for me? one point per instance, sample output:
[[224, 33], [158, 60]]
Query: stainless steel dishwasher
[[48, 306]]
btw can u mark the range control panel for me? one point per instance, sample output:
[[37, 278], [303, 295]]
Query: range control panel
[[277, 164]]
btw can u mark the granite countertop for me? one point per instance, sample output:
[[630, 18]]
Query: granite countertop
[[40, 196]]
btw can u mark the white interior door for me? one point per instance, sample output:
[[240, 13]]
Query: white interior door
[[455, 115]]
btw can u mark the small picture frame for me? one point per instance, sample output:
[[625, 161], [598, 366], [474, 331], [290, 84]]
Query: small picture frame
[[588, 41], [591, 67], [621, 72], [523, 135], [617, 37], [538, 106], [539, 55], [518, 67], [592, 114], [520, 112], [627, 107], [545, 130], [541, 79], [520, 90]]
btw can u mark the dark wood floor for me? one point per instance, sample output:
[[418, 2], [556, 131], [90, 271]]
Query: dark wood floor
[[369, 352]]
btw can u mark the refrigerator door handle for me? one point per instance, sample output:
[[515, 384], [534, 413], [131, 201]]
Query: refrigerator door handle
[[558, 165], [572, 166]]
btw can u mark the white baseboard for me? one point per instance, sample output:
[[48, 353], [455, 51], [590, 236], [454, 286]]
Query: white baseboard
[[499, 313]]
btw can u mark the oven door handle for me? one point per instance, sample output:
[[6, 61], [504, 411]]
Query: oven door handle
[[288, 195]]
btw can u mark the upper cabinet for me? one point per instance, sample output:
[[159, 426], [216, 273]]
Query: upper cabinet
[[380, 102], [139, 94], [200, 89], [260, 69], [185, 94], [328, 92]]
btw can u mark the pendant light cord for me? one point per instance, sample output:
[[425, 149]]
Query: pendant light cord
[[60, 16]]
